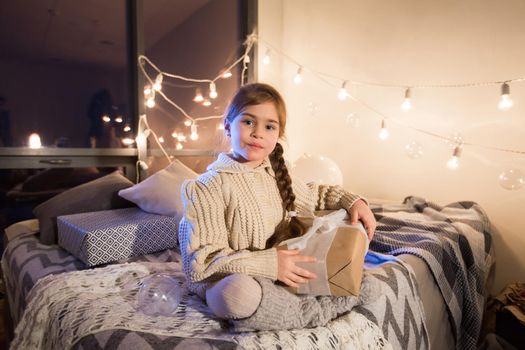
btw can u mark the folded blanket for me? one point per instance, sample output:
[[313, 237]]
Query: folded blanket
[[455, 241]]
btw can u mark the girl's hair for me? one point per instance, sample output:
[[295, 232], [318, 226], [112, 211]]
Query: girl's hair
[[254, 94]]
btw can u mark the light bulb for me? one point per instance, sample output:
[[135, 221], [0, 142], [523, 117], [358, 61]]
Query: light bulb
[[147, 90], [266, 59], [220, 126], [157, 86], [181, 138], [246, 59], [34, 141], [143, 165], [179, 146], [298, 79], [106, 118], [118, 119], [407, 103], [174, 135], [188, 122], [213, 90], [198, 96], [194, 134], [206, 103], [227, 74], [453, 162], [343, 94], [127, 141], [127, 128], [505, 101], [150, 102], [161, 139], [383, 133]]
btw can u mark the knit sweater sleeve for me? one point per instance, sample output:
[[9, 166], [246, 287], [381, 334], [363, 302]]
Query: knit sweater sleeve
[[205, 241], [311, 196]]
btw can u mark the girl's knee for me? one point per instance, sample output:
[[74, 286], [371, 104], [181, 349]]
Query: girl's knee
[[235, 296]]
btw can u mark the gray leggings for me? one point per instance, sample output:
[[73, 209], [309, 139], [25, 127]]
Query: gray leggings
[[235, 296]]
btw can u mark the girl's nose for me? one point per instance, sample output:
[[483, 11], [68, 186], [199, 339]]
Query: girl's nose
[[257, 132]]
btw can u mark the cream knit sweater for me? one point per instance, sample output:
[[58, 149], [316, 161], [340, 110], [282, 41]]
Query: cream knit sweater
[[231, 211]]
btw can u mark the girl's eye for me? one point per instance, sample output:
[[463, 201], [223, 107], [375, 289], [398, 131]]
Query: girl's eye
[[248, 122], [270, 127]]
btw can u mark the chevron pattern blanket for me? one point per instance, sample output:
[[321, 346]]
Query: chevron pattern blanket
[[455, 241]]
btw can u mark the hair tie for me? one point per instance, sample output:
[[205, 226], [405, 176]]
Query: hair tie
[[292, 214]]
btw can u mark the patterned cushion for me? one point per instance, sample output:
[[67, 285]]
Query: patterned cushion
[[110, 235]]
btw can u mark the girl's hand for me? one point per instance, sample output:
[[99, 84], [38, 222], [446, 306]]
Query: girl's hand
[[361, 211], [289, 273]]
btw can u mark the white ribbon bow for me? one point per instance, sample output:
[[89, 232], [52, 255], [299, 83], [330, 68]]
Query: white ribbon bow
[[321, 224]]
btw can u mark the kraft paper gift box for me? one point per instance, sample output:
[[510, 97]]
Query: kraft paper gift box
[[340, 249], [111, 235]]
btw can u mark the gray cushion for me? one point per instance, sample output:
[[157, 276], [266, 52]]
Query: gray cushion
[[99, 194]]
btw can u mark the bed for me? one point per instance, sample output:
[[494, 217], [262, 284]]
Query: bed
[[432, 266]]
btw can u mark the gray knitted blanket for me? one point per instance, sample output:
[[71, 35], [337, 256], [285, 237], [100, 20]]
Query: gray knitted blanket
[[455, 241]]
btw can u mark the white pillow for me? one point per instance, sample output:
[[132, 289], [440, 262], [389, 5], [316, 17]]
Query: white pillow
[[160, 193]]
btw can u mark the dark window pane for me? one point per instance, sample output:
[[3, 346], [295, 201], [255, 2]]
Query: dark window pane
[[196, 39], [63, 66]]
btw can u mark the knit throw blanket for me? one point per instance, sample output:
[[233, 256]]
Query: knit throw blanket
[[62, 309], [455, 241]]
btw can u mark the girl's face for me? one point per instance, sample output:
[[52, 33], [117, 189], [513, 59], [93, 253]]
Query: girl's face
[[254, 133]]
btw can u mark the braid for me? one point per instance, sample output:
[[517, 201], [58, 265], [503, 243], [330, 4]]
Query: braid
[[294, 228]]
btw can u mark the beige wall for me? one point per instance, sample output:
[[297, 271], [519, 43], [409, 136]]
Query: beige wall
[[409, 42]]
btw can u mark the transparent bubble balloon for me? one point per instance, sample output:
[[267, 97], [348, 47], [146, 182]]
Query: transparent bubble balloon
[[159, 295], [313, 109], [352, 120], [319, 169], [512, 179], [414, 150]]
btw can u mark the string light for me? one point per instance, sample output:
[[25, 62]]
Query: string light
[[198, 96], [227, 74], [194, 134], [220, 126], [150, 102], [161, 139], [453, 162], [266, 58], [127, 141], [343, 94], [407, 103], [181, 138], [298, 78], [118, 119], [157, 86], [147, 91], [213, 90], [127, 128], [188, 122], [34, 141], [179, 146], [383, 133], [505, 101], [106, 118], [206, 103], [174, 135]]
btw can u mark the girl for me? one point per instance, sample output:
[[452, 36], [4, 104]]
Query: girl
[[242, 208]]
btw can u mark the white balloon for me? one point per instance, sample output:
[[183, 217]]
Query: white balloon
[[319, 169]]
